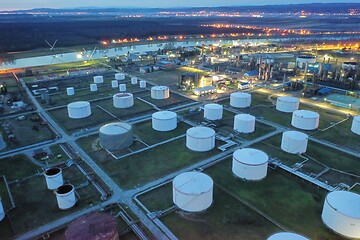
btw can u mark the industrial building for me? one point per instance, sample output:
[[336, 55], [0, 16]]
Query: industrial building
[[93, 226], [193, 191], [305, 120], [78, 110], [341, 213], [164, 121], [250, 164], [200, 139], [213, 111], [116, 136]]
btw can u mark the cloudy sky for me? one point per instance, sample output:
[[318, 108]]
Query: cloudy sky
[[28, 4]]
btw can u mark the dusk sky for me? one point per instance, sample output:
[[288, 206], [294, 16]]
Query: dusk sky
[[21, 4]]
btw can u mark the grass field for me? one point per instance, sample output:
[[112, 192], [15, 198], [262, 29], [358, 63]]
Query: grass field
[[26, 132], [32, 197], [138, 169], [281, 196], [173, 101], [150, 136]]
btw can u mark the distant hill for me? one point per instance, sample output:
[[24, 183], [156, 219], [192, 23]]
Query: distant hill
[[291, 8]]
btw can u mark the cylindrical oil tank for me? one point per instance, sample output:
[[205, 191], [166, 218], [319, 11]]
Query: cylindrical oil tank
[[93, 87], [193, 191], [114, 84], [123, 100], [142, 84], [303, 59], [160, 92], [164, 121], [200, 139], [287, 236], [54, 178], [305, 120], [213, 111], [70, 91], [134, 80], [93, 226], [120, 76], [65, 196], [79, 110], [244, 123], [98, 79], [287, 104], [122, 87], [294, 142], [2, 211], [355, 126], [250, 164], [240, 100], [114, 136], [341, 213]]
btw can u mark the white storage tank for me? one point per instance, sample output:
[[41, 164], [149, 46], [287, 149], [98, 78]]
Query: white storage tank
[[2, 211], [114, 84], [120, 76], [250, 164], [303, 59], [54, 178], [78, 110], [294, 142], [160, 92], [193, 191], [287, 104], [142, 84], [65, 196], [98, 79], [93, 87], [287, 236], [122, 87], [213, 111], [355, 126], [164, 121], [341, 213], [70, 91], [244, 123], [305, 120], [123, 100], [134, 80], [115, 136], [200, 139], [240, 100]]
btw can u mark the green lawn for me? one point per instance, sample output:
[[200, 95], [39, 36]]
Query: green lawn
[[150, 136], [146, 166], [227, 218], [321, 153], [281, 196], [32, 198], [17, 167], [26, 132]]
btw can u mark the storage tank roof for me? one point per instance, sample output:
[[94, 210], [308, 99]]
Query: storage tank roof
[[159, 88], [287, 236], [296, 135], [240, 95], [79, 104], [289, 99], [164, 115], [250, 156], [357, 118], [193, 183], [200, 132], [122, 95], [115, 128], [344, 202], [306, 114], [213, 106], [92, 226], [245, 117]]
